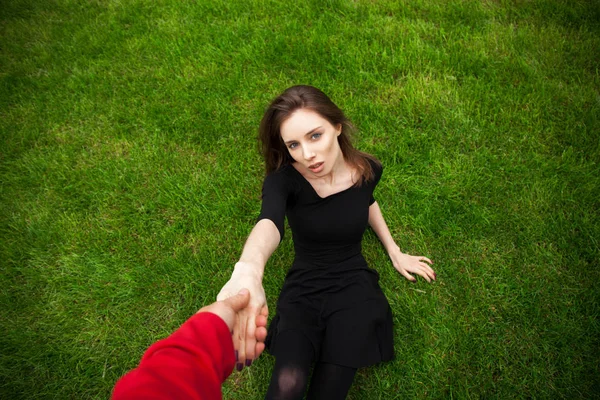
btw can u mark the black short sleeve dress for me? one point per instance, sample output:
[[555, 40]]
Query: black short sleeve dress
[[330, 294]]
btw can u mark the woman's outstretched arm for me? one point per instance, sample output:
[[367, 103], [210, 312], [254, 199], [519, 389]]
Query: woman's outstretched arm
[[248, 273], [404, 263]]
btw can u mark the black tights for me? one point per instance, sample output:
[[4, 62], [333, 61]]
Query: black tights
[[292, 367]]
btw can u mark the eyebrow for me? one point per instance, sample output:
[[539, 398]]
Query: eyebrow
[[306, 134]]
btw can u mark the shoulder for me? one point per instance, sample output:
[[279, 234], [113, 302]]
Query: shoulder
[[376, 165], [377, 168], [282, 174], [278, 180]]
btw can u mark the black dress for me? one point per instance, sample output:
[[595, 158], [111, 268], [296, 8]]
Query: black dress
[[330, 294]]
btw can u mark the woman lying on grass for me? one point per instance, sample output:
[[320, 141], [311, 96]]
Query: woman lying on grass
[[331, 310]]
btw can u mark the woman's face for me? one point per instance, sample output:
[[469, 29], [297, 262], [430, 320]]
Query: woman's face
[[312, 141]]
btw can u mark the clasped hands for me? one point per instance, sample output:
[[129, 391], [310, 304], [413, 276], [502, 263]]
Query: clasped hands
[[229, 311], [248, 323]]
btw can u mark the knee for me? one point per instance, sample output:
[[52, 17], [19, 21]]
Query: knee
[[291, 382]]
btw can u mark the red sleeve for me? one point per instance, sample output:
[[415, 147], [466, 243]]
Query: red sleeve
[[191, 363]]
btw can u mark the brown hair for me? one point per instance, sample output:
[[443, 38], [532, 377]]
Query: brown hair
[[275, 152]]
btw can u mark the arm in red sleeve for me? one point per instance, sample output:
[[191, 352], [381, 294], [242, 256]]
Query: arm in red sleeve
[[191, 363]]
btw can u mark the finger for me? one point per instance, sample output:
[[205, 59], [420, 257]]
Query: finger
[[264, 310], [427, 268], [241, 337], [260, 347], [250, 340], [423, 274], [261, 321], [239, 301], [407, 276], [236, 339], [261, 335], [432, 273], [425, 259], [429, 271]]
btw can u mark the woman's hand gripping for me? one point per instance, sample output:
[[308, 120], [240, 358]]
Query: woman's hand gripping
[[245, 341]]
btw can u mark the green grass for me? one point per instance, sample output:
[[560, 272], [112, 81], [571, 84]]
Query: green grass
[[130, 178]]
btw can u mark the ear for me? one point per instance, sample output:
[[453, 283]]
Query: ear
[[338, 129]]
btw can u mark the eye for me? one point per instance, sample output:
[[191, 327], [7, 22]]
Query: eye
[[292, 146], [315, 136]]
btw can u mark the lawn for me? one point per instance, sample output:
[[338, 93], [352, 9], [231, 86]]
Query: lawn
[[130, 177]]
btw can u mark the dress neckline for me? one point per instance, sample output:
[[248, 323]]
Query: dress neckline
[[313, 188]]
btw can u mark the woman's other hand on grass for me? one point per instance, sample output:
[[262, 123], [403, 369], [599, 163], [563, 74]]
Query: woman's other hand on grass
[[407, 265]]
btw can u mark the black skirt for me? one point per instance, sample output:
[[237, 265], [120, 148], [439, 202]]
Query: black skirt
[[340, 309]]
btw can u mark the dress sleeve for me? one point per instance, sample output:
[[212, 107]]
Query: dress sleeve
[[275, 194], [378, 169]]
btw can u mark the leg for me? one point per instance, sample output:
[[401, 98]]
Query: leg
[[330, 381], [292, 365]]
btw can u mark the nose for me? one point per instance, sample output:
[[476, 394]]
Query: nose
[[307, 152]]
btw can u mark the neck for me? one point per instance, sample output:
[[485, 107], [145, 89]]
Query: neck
[[339, 171]]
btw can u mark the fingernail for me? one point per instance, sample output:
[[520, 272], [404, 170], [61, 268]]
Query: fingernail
[[237, 357], [239, 366], [248, 363]]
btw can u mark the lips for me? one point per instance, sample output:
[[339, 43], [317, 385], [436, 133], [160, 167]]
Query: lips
[[316, 167]]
